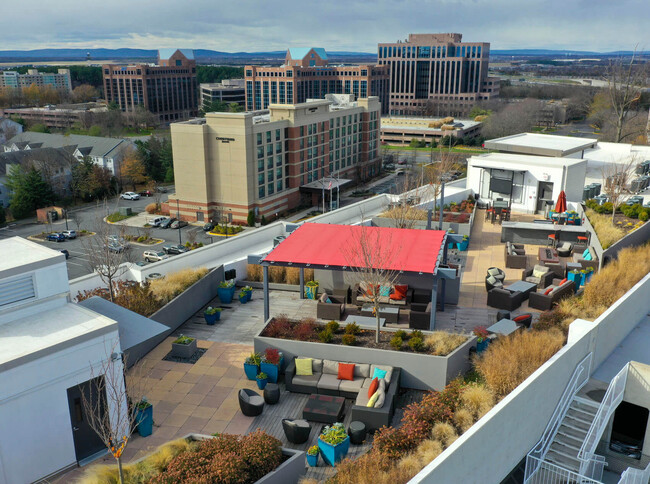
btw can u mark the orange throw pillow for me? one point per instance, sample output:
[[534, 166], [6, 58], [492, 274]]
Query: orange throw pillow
[[346, 371], [372, 289], [400, 292], [563, 281], [373, 387], [548, 291], [523, 317]]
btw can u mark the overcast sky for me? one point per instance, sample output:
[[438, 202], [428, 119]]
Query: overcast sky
[[254, 25]]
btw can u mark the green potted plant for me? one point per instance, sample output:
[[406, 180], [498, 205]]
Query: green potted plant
[[212, 315], [262, 379], [334, 443], [144, 417], [311, 289], [271, 364], [225, 291], [183, 347], [482, 338], [462, 246], [312, 455], [249, 292], [252, 365], [243, 297], [589, 271]]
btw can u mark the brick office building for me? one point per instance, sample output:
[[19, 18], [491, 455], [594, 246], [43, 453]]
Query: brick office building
[[437, 75], [168, 90], [307, 74], [271, 161]]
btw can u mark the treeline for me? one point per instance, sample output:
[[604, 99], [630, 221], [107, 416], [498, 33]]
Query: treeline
[[206, 74]]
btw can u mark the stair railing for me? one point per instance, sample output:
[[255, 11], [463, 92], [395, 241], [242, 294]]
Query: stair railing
[[635, 476]]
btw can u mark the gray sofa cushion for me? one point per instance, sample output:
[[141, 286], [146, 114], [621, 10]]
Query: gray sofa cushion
[[534, 280], [330, 367], [252, 399], [351, 385], [328, 382], [380, 399], [367, 382], [361, 370], [362, 399], [308, 380]]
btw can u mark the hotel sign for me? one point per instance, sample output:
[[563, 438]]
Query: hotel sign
[[224, 140]]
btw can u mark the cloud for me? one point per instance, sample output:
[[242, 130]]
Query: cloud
[[255, 25]]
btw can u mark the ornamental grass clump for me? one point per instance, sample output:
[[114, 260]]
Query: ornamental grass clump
[[174, 283], [441, 343], [477, 399]]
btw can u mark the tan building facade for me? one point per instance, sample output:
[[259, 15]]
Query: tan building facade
[[232, 163], [307, 74], [437, 75]]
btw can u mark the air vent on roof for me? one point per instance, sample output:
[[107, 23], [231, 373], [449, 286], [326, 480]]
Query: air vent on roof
[[17, 289]]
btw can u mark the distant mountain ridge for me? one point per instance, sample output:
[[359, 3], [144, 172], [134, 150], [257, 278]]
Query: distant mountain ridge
[[206, 54]]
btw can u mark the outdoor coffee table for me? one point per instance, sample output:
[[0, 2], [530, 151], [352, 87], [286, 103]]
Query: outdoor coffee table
[[323, 408], [390, 313], [365, 320], [504, 327], [525, 287], [548, 255]]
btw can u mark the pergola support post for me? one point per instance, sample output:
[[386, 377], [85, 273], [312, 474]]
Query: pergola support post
[[302, 283], [434, 308], [267, 312]]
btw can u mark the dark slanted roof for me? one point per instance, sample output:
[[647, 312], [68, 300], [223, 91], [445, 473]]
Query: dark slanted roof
[[58, 157]]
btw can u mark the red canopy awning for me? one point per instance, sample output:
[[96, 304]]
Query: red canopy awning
[[407, 250]]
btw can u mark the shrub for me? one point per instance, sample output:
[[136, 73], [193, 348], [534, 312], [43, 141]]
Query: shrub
[[463, 419], [644, 215], [416, 333], [427, 451], [416, 343], [175, 283], [396, 343], [272, 355], [371, 468], [116, 217], [401, 333], [325, 336], [254, 272], [280, 327], [509, 361], [441, 343], [352, 328], [349, 339], [250, 220], [477, 399], [142, 238], [134, 297], [332, 326], [152, 208], [305, 330], [445, 433], [606, 232]]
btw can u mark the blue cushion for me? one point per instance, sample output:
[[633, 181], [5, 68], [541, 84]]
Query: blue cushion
[[384, 291], [379, 373], [587, 256], [328, 300]]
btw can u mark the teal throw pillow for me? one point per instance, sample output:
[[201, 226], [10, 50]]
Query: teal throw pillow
[[587, 256], [384, 291], [328, 300], [379, 373]]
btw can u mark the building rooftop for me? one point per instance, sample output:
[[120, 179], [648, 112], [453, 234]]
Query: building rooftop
[[422, 124], [517, 160], [540, 144], [167, 53], [25, 253], [100, 146], [60, 157], [300, 52]]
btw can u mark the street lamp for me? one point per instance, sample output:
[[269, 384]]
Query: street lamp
[[178, 214]]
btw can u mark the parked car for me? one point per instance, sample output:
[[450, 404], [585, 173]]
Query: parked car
[[130, 196], [117, 240], [208, 227], [389, 166], [167, 223], [70, 234], [156, 221], [146, 193], [174, 249], [161, 189], [114, 247], [66, 253], [176, 224], [402, 162], [55, 237], [154, 255]]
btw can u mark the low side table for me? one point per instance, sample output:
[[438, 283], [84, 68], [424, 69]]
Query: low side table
[[357, 432], [271, 393], [570, 266]]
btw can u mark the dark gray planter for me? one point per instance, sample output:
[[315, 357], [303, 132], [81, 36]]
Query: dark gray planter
[[289, 472], [184, 351]]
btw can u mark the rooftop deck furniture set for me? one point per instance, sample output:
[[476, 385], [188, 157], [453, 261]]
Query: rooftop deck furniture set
[[544, 299], [494, 278], [587, 258], [510, 297], [330, 306], [397, 295], [540, 275], [515, 256], [339, 379]]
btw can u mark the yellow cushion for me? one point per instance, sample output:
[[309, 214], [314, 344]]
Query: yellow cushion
[[539, 274], [373, 399], [303, 366]]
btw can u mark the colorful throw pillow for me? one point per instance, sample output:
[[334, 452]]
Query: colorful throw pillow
[[587, 256], [563, 281], [584, 253], [379, 373], [373, 400], [324, 298], [384, 291], [538, 273], [346, 371], [328, 301], [521, 318], [381, 398], [400, 292], [370, 290], [548, 291], [373, 387], [303, 367]]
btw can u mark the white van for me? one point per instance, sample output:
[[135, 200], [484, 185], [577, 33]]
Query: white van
[[154, 222]]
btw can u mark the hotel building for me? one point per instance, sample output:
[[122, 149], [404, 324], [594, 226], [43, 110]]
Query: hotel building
[[273, 160], [437, 75], [169, 89], [58, 80], [307, 74]]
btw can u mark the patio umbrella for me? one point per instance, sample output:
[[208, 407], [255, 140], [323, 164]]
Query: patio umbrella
[[560, 206]]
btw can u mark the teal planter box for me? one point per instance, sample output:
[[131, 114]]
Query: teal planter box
[[249, 294], [311, 292], [482, 345], [145, 421], [312, 460], [225, 294], [576, 278], [261, 383], [334, 453], [273, 371], [588, 277], [212, 318], [462, 246], [251, 371]]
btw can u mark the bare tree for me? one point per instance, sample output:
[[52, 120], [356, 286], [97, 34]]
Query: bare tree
[[108, 253], [112, 402], [434, 174], [371, 258], [515, 118], [616, 180], [191, 235], [625, 84]]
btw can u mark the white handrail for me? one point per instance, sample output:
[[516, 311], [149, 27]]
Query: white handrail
[[611, 400], [549, 473], [576, 382], [635, 476]]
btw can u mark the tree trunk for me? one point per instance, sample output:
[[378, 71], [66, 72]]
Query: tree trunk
[[613, 214], [378, 323], [119, 470]]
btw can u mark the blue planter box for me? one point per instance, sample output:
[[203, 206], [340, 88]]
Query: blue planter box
[[482, 345], [249, 294], [273, 371], [225, 294], [462, 246], [261, 383], [144, 418], [333, 454], [312, 460], [251, 371], [576, 278], [311, 292], [212, 318]]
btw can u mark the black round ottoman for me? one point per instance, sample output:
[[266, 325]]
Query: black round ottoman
[[502, 315], [357, 432], [271, 393]]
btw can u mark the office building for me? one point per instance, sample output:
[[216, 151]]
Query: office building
[[401, 130], [227, 91], [274, 160], [168, 90], [307, 74], [61, 116], [58, 80], [437, 75]]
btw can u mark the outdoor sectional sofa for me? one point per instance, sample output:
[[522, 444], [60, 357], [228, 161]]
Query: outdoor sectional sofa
[[359, 297], [544, 302], [324, 381], [333, 309], [515, 256], [578, 258]]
